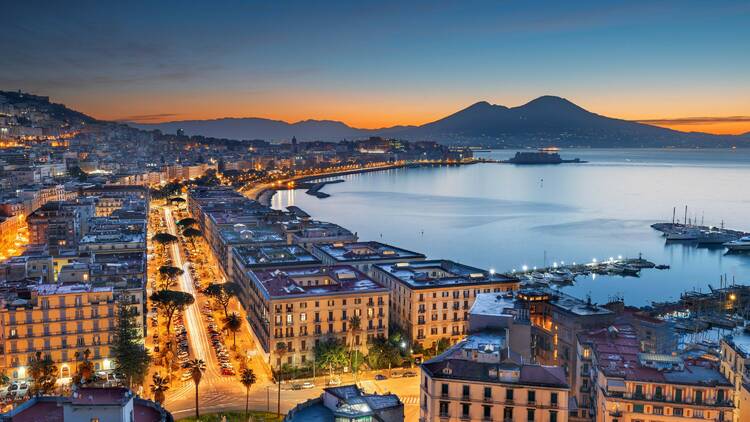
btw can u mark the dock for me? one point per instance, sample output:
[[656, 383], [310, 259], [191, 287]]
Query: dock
[[566, 274], [314, 190]]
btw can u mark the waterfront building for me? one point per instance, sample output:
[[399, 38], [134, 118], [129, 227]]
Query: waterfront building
[[735, 366], [303, 305], [482, 379], [348, 403], [430, 300], [308, 233], [258, 258], [363, 255], [114, 404], [620, 383], [57, 320]]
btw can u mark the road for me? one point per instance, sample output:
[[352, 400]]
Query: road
[[225, 393]]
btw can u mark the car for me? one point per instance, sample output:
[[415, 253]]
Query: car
[[296, 386], [380, 377], [334, 381], [308, 385], [409, 374]]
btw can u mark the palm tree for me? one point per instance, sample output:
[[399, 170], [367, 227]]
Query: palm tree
[[280, 351], [247, 378], [356, 324], [86, 369], [159, 386], [44, 373], [197, 366], [233, 323]]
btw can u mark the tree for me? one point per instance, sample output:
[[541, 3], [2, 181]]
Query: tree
[[233, 323], [331, 354], [355, 322], [171, 301], [222, 293], [130, 355], [164, 239], [170, 273], [382, 353], [281, 352], [247, 378], [85, 370], [187, 222], [159, 386], [44, 373], [197, 366], [191, 234]]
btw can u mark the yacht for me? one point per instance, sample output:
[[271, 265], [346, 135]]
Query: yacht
[[715, 237], [741, 244], [687, 233]]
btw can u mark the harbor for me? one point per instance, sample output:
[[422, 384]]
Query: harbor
[[689, 231], [562, 274]]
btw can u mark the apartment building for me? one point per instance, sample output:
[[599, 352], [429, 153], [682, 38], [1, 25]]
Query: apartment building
[[431, 299], [482, 379], [620, 383], [308, 233], [303, 305], [363, 255], [57, 320], [735, 367], [260, 258]]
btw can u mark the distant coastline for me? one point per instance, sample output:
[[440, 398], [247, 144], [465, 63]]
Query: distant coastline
[[264, 193]]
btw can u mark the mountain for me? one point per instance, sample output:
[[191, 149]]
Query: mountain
[[543, 121]]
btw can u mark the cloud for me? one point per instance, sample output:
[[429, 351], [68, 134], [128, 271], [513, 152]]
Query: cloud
[[696, 120], [143, 118]]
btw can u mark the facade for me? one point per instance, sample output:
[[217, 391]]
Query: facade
[[620, 383], [57, 320], [363, 255], [735, 367], [301, 306], [348, 403], [482, 379], [430, 300], [89, 404]]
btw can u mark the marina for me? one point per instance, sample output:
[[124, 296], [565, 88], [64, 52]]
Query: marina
[[562, 274]]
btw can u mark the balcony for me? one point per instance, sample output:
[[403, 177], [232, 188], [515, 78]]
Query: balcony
[[616, 413], [445, 415]]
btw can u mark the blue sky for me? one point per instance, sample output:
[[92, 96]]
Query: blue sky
[[378, 63]]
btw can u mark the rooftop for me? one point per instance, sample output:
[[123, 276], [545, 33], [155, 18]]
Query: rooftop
[[240, 234], [441, 273], [366, 251], [274, 256], [485, 358], [617, 352], [316, 281]]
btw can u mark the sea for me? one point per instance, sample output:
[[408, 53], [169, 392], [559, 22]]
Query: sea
[[504, 217]]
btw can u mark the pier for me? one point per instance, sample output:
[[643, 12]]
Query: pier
[[566, 274]]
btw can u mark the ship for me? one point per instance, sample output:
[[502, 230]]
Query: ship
[[547, 155]]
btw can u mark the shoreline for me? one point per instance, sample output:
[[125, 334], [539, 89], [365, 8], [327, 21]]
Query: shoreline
[[264, 193]]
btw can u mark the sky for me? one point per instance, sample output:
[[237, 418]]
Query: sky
[[679, 64]]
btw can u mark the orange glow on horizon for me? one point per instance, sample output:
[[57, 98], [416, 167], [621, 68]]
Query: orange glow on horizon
[[374, 112]]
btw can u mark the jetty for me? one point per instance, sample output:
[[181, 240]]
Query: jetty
[[565, 274], [314, 190]]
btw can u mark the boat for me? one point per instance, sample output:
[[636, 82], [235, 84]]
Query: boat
[[687, 233], [547, 155], [715, 237], [741, 244]]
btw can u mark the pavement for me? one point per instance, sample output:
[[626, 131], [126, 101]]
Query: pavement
[[218, 392]]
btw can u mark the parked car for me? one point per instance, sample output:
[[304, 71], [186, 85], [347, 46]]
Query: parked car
[[380, 377], [308, 385], [334, 381], [409, 374]]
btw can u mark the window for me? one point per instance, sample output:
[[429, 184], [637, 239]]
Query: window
[[530, 415], [303, 317], [444, 390], [678, 395], [465, 391], [509, 394], [444, 409], [677, 411], [487, 412], [658, 393], [465, 410], [532, 396], [487, 392], [508, 413], [658, 410], [698, 396], [638, 408], [553, 399], [639, 391], [552, 416]]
